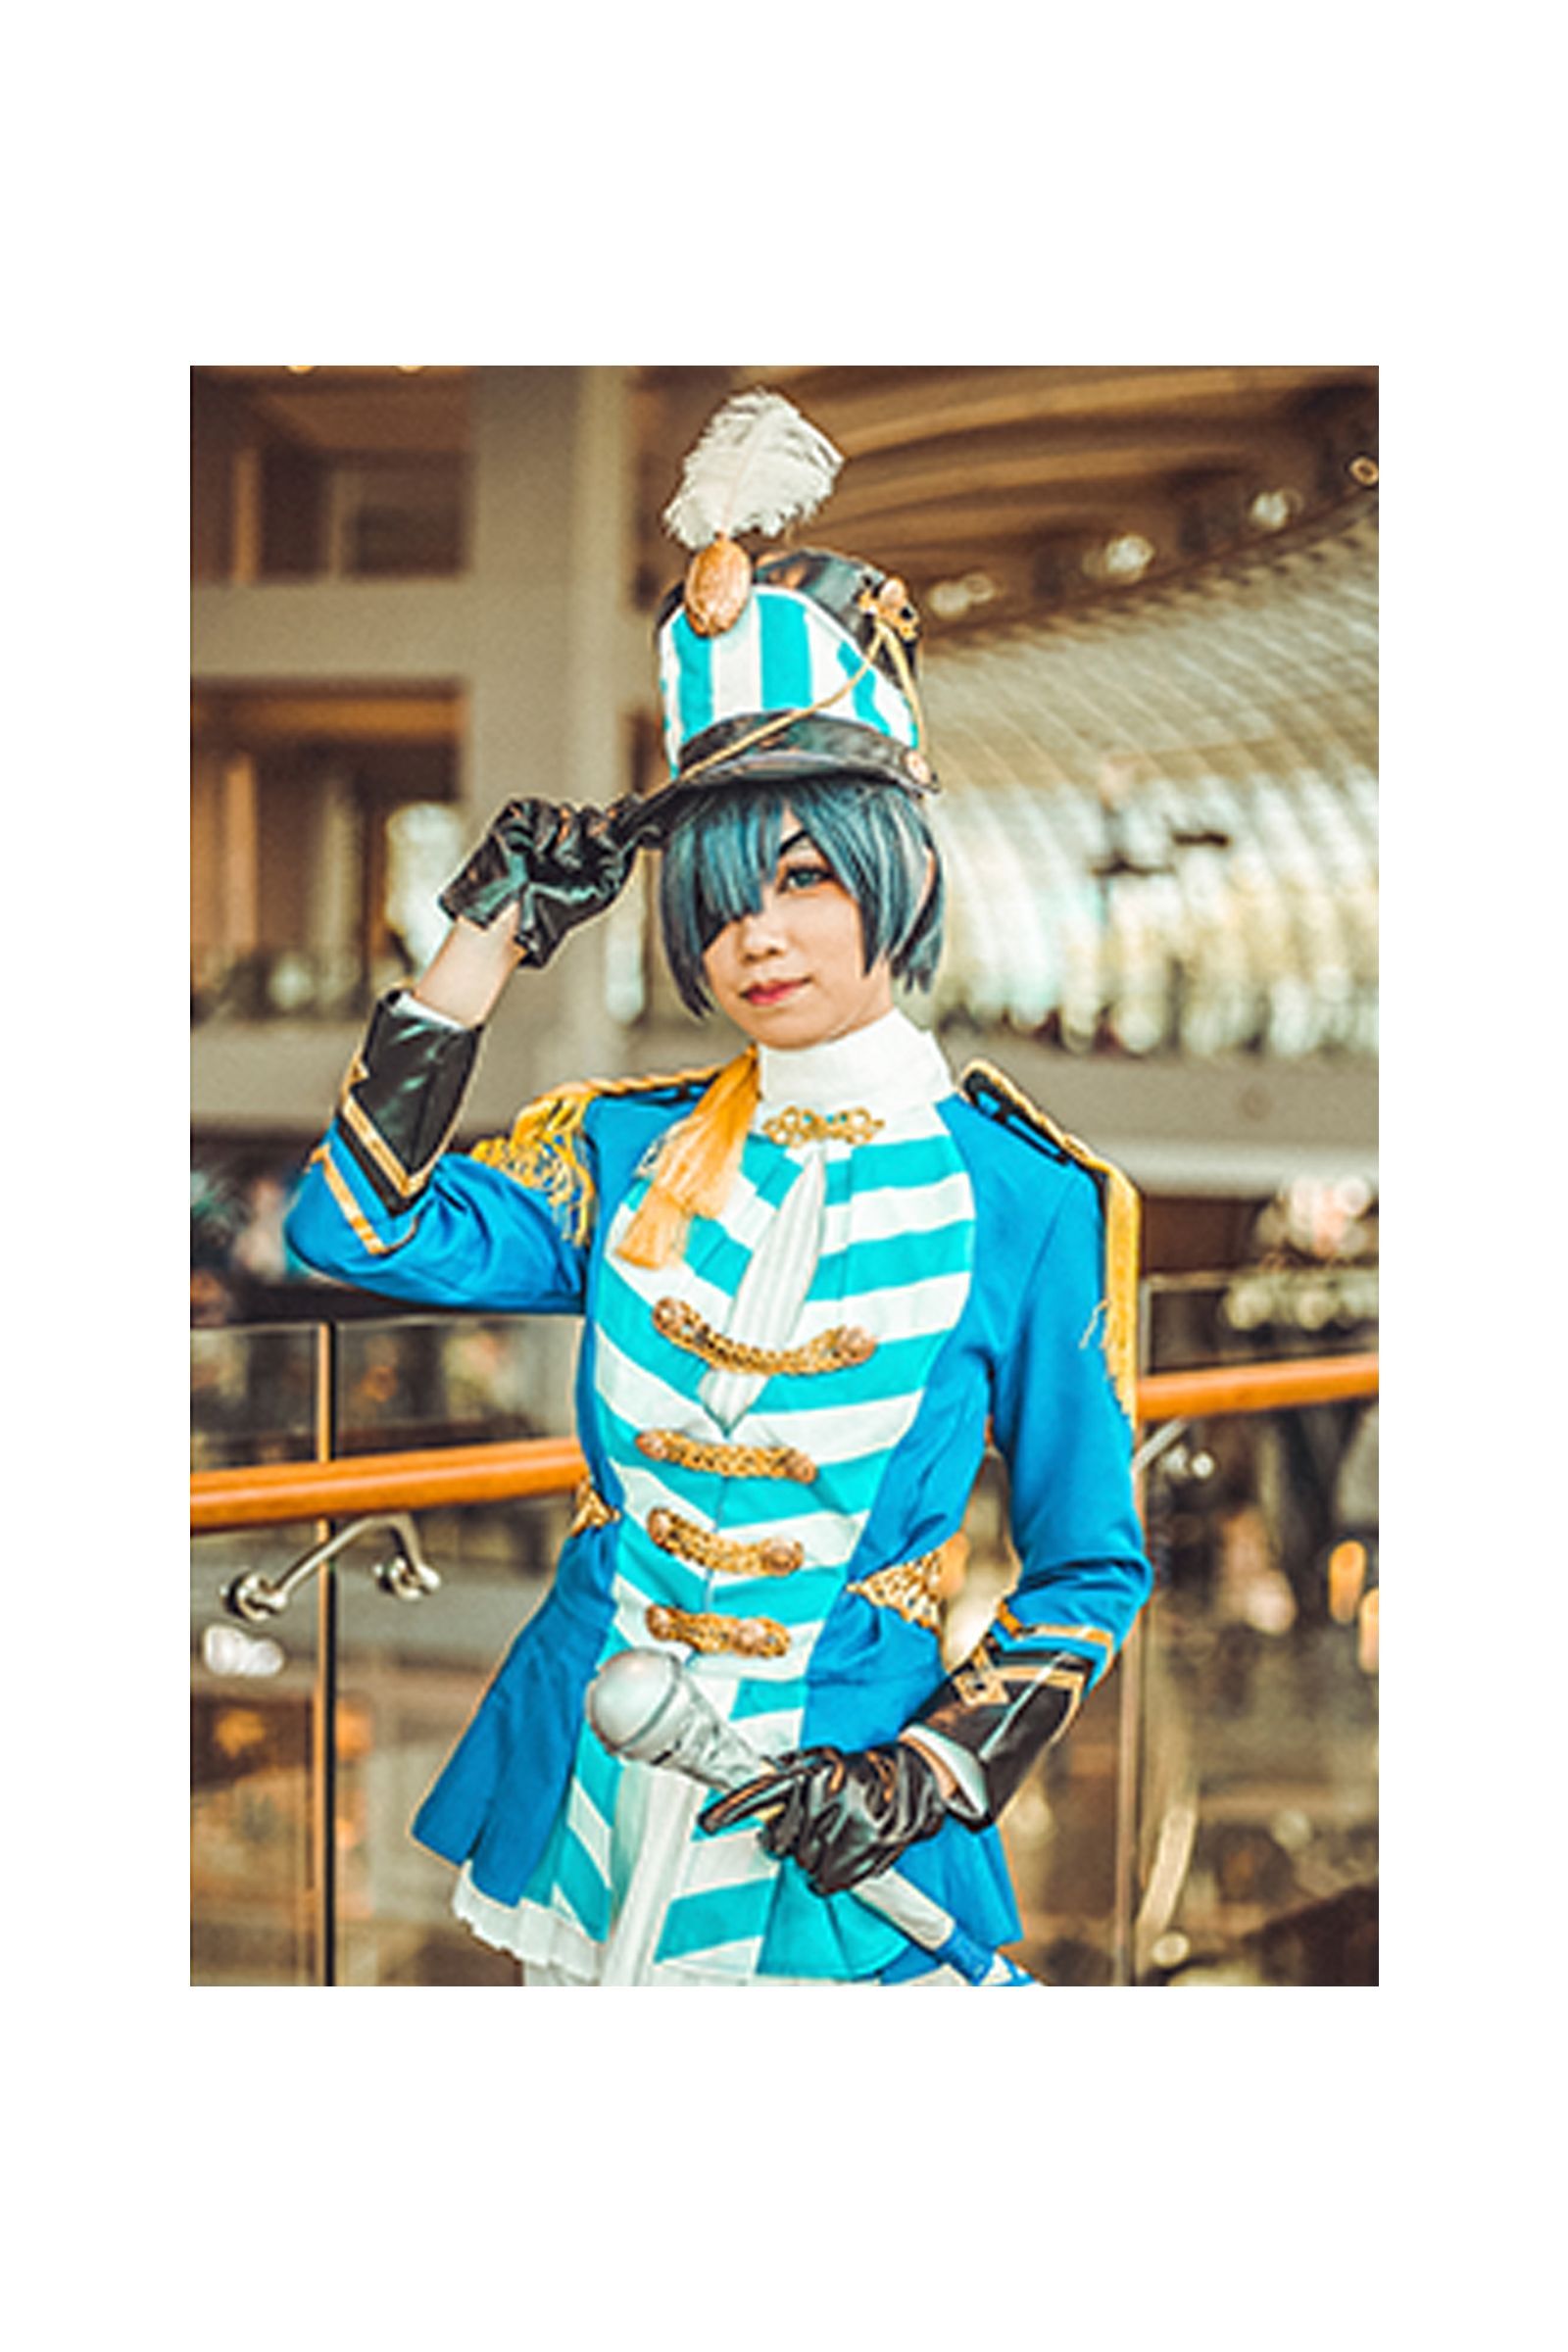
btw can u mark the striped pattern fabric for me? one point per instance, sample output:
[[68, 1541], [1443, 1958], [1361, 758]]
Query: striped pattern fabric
[[785, 653], [892, 1254]]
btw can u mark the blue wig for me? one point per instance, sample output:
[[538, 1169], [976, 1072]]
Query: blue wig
[[723, 848]]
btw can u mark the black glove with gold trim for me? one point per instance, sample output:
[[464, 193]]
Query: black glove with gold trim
[[558, 866], [993, 1716], [841, 1817]]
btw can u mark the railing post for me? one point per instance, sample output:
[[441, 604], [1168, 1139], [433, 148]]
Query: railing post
[[1130, 1718], [1129, 1774], [323, 1711]]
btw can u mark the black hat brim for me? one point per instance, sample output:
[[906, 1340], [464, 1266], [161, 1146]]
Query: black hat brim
[[801, 751]]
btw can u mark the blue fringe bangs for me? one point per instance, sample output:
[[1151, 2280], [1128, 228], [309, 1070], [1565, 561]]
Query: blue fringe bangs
[[723, 850]]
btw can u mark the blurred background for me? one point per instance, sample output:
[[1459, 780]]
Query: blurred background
[[1150, 677]]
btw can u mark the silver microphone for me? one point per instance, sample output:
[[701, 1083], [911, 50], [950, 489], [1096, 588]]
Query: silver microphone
[[644, 1707]]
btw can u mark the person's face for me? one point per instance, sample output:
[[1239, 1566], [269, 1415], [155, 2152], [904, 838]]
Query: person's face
[[792, 973]]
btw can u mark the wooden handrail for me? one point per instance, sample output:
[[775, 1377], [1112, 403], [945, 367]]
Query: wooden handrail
[[1255, 1387], [272, 1493], [276, 1493]]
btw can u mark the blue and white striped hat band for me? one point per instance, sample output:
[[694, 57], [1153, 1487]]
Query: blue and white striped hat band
[[815, 676]]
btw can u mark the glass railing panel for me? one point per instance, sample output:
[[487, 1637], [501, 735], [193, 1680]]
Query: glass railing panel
[[252, 1772], [422, 1380], [409, 1678], [1260, 1312], [1308, 1286], [1258, 1791], [398, 1384], [253, 1391]]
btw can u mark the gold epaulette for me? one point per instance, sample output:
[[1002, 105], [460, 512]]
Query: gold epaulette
[[1119, 1301], [543, 1150]]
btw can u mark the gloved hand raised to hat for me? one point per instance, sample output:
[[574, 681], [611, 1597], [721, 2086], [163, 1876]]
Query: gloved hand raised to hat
[[554, 865]]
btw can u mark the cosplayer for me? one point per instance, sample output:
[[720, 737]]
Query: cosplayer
[[813, 1285]]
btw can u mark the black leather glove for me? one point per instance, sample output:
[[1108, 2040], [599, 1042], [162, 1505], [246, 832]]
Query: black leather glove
[[993, 1716], [841, 1817], [560, 865]]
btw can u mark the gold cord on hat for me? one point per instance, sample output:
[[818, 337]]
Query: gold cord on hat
[[891, 635], [775, 725]]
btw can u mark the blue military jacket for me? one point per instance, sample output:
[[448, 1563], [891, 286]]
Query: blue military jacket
[[782, 1428]]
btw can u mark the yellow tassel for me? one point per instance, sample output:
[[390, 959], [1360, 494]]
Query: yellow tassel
[[695, 1167]]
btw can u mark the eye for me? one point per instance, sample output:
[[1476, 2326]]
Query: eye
[[808, 874]]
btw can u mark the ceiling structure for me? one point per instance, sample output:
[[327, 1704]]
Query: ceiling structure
[[995, 492], [1159, 813], [356, 412]]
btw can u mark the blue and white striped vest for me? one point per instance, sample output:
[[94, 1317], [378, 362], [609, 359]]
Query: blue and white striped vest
[[746, 1488]]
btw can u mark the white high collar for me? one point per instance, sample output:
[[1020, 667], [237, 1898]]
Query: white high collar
[[887, 1067]]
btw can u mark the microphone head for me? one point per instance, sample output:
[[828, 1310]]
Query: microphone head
[[627, 1697], [644, 1706]]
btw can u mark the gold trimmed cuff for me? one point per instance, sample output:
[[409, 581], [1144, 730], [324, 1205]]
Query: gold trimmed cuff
[[1014, 1625], [363, 1232]]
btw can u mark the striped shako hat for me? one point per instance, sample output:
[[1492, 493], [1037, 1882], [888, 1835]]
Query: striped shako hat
[[799, 665]]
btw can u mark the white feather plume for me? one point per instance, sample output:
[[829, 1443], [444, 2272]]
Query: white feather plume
[[758, 465]]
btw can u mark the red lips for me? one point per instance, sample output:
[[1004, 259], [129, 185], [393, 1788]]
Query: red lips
[[771, 992]]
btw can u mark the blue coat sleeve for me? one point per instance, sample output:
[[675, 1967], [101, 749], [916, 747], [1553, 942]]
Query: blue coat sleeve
[[474, 1237], [1067, 1443]]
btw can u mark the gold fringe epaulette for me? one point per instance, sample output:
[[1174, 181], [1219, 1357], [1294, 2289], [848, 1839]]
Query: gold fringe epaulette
[[542, 1153], [544, 1147], [1123, 1220]]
